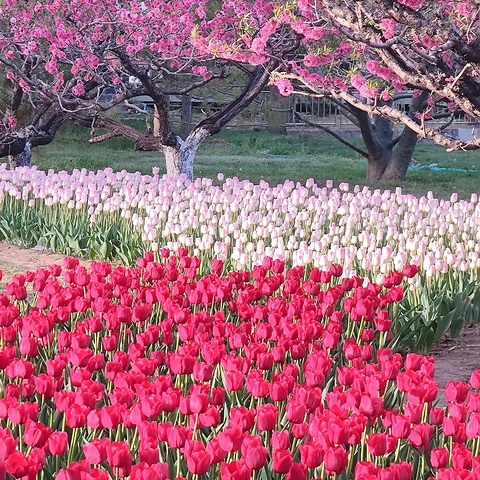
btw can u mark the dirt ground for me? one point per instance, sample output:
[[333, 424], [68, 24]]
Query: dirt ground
[[454, 359], [16, 260]]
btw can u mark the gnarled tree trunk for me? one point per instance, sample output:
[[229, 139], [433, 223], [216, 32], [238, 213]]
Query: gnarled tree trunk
[[23, 159], [179, 154], [377, 163], [277, 110], [180, 158], [388, 157], [401, 157]]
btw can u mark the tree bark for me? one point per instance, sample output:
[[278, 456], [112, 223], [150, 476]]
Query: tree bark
[[377, 164], [402, 156], [23, 159], [388, 159], [186, 116], [277, 111], [180, 158]]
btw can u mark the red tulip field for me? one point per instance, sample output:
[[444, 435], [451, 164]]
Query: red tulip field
[[157, 372], [202, 328]]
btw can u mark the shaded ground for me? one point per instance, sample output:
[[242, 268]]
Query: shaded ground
[[455, 359]]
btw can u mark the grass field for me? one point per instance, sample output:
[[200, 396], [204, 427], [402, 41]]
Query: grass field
[[257, 155]]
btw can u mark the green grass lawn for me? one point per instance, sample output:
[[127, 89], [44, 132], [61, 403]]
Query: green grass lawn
[[257, 155]]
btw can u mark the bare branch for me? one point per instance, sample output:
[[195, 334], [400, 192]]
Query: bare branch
[[136, 108], [448, 123], [196, 85], [394, 115], [333, 134], [104, 138]]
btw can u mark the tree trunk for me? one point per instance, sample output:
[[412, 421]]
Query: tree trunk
[[180, 158], [277, 110], [377, 164], [23, 159], [402, 156], [186, 116]]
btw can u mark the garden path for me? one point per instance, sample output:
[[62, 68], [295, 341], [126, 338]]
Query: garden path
[[455, 359]]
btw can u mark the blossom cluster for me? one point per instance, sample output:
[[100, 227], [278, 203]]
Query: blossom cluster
[[157, 372]]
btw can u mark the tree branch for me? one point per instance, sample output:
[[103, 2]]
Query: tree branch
[[141, 141], [258, 79], [195, 85], [104, 138], [333, 134], [393, 114]]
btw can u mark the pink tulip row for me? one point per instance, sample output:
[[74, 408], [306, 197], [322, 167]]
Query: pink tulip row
[[367, 232]]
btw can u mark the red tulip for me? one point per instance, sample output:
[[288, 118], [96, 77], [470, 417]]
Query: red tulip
[[456, 391], [198, 462], [46, 385], [296, 412], [144, 471], [242, 418], [365, 469], [118, 455], [461, 457], [401, 426], [281, 461], [371, 406], [380, 444], [311, 454], [7, 444], [234, 381], [217, 454], [177, 436], [76, 416], [17, 464], [36, 434], [420, 436], [436, 416], [439, 457], [297, 472], [255, 457], [74, 471], [57, 443], [335, 459], [450, 426], [410, 271], [230, 439], [236, 470], [19, 368], [266, 417], [280, 440], [475, 379], [96, 451]]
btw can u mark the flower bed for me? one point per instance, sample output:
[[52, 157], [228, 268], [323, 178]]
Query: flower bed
[[369, 233], [158, 372]]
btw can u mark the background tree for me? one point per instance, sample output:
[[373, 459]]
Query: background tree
[[88, 57], [360, 52], [389, 152], [25, 123]]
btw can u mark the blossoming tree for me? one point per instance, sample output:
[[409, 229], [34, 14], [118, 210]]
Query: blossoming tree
[[24, 124], [360, 53], [88, 57]]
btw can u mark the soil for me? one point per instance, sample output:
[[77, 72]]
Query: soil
[[16, 260], [455, 359]]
